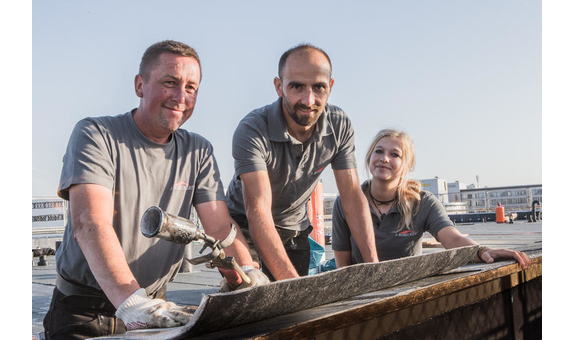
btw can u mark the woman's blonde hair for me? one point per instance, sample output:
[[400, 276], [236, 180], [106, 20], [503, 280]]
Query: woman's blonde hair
[[408, 191]]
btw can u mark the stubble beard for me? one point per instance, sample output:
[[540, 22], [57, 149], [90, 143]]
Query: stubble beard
[[169, 125], [298, 119]]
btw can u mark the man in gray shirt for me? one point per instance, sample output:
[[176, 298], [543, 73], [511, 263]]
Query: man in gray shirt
[[280, 151], [113, 170]]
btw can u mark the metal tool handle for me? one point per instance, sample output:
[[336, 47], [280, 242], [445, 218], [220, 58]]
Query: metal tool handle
[[232, 277], [241, 273], [235, 275], [230, 270]]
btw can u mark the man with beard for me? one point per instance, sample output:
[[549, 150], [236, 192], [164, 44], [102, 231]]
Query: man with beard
[[280, 151]]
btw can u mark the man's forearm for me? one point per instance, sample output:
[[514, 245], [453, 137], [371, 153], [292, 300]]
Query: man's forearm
[[91, 210], [107, 262], [258, 204], [271, 249], [216, 220], [239, 250], [360, 224], [357, 213]]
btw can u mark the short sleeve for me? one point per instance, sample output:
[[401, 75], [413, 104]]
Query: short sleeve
[[87, 159], [345, 135], [249, 148], [437, 217], [208, 185], [341, 235]]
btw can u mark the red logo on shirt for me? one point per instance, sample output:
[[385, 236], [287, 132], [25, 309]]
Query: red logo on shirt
[[182, 186], [319, 170], [406, 233]]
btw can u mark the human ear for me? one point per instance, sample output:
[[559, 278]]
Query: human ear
[[139, 85], [278, 86]]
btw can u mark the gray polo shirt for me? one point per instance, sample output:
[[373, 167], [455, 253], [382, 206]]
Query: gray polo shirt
[[391, 241], [112, 152], [262, 142]]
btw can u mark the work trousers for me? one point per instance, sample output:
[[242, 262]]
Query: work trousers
[[295, 242], [79, 316]]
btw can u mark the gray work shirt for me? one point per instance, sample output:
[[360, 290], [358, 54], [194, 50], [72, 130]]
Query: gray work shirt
[[262, 142], [112, 152], [392, 241]]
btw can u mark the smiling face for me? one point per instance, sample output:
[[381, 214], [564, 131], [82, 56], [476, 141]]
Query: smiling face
[[304, 87], [386, 161], [167, 96]]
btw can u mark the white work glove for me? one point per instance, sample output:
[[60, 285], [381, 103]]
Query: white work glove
[[256, 276], [139, 311]]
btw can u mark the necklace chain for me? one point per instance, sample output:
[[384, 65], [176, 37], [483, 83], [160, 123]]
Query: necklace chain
[[378, 201]]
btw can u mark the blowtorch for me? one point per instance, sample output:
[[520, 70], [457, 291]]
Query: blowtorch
[[158, 223]]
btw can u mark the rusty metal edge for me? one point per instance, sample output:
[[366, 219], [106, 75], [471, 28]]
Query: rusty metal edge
[[493, 277]]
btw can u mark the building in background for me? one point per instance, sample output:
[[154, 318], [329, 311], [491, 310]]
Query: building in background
[[459, 198], [454, 191], [328, 200], [438, 187], [513, 198], [49, 216]]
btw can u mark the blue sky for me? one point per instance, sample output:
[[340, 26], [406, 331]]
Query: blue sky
[[464, 78]]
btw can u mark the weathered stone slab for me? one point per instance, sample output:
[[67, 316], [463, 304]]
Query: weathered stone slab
[[225, 310]]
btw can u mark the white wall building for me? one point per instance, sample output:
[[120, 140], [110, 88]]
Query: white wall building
[[49, 216], [513, 198], [436, 186]]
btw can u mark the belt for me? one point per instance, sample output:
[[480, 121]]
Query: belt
[[78, 296], [67, 287]]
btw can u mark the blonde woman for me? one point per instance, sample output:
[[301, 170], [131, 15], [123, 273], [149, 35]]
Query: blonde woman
[[400, 210]]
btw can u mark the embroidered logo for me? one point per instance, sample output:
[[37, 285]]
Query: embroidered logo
[[406, 233], [182, 186], [319, 170]]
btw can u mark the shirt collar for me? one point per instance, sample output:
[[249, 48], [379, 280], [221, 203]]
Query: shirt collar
[[365, 188], [277, 127]]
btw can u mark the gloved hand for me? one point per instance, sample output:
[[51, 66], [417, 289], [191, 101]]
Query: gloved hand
[[256, 276], [139, 311]]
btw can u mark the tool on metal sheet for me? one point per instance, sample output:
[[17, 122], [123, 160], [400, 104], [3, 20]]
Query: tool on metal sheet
[[158, 223]]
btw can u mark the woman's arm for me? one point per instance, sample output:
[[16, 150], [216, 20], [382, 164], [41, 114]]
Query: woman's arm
[[450, 237]]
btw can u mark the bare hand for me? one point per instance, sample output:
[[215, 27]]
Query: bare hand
[[490, 255]]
